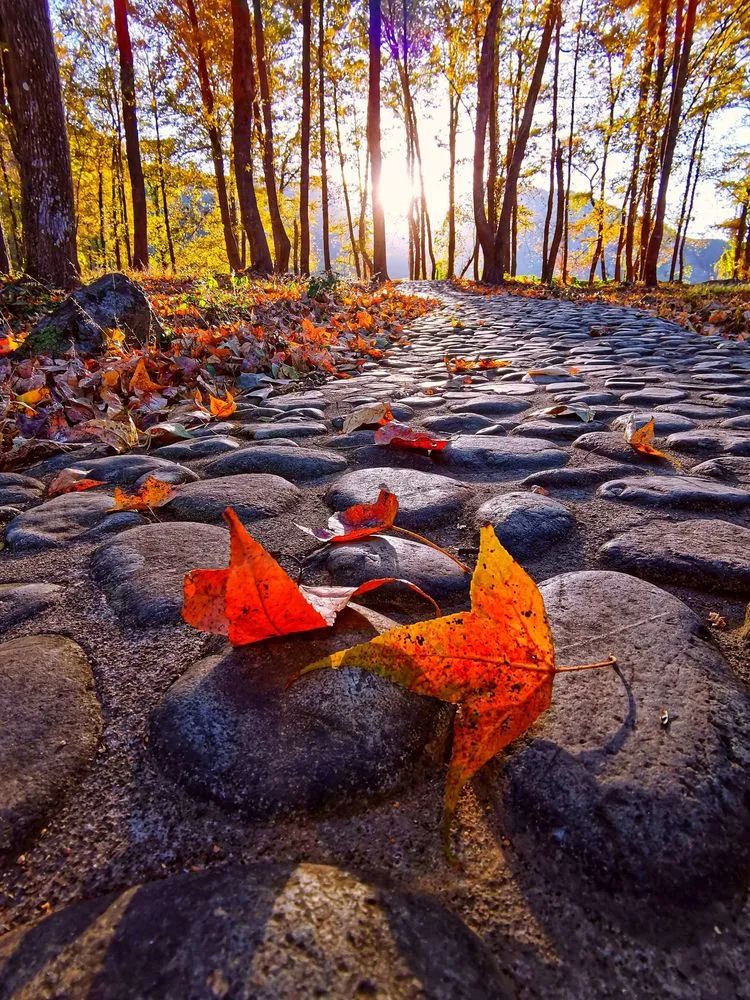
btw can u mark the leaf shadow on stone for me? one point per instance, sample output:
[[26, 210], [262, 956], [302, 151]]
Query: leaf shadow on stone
[[266, 929]]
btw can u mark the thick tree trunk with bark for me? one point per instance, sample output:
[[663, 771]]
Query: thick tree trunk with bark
[[485, 235], [242, 134], [652, 139], [281, 243], [40, 142], [504, 242], [304, 173], [379, 262], [132, 143], [668, 145]]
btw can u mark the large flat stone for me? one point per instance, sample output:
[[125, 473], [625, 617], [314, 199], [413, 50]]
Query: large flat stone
[[141, 572], [252, 497], [294, 463], [679, 492], [67, 518], [50, 723], [643, 802], [732, 469], [260, 932], [709, 555], [229, 730], [424, 499], [611, 445], [711, 441], [500, 455], [128, 470]]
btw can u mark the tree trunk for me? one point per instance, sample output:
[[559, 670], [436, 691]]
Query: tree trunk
[[40, 142], [652, 162], [379, 263], [452, 130], [11, 211], [242, 138], [322, 117], [132, 144], [569, 168], [504, 243], [281, 243], [739, 242], [669, 143], [484, 106], [304, 183], [162, 180], [102, 222], [4, 259], [553, 153], [559, 219], [344, 187], [682, 223], [214, 141]]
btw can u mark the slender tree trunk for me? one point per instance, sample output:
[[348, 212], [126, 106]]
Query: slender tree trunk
[[504, 242], [621, 233], [11, 211], [746, 260], [40, 142], [553, 153], [682, 223], [739, 243], [484, 106], [559, 218], [493, 165], [640, 133], [323, 149], [380, 263], [163, 183], [281, 243], [652, 144], [571, 134], [344, 186], [102, 224], [214, 140], [242, 138], [304, 184], [669, 143], [452, 130], [114, 215], [4, 258], [132, 144]]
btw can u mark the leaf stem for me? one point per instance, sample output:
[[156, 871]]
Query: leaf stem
[[609, 662], [433, 545]]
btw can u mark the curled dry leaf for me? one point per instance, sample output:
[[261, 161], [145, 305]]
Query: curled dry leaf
[[371, 413], [580, 410], [359, 521], [71, 481], [640, 439], [457, 366], [254, 598], [402, 436], [496, 663], [153, 493]]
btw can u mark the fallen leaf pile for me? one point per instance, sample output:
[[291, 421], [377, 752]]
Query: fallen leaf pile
[[711, 309], [214, 335]]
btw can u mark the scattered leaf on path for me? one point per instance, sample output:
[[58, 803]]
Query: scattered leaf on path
[[153, 493], [71, 481], [254, 598], [402, 436], [640, 438], [495, 663], [371, 413], [222, 407]]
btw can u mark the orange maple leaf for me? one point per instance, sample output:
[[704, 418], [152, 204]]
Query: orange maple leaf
[[496, 663], [222, 407], [640, 438], [153, 493], [254, 598], [72, 481], [141, 380]]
